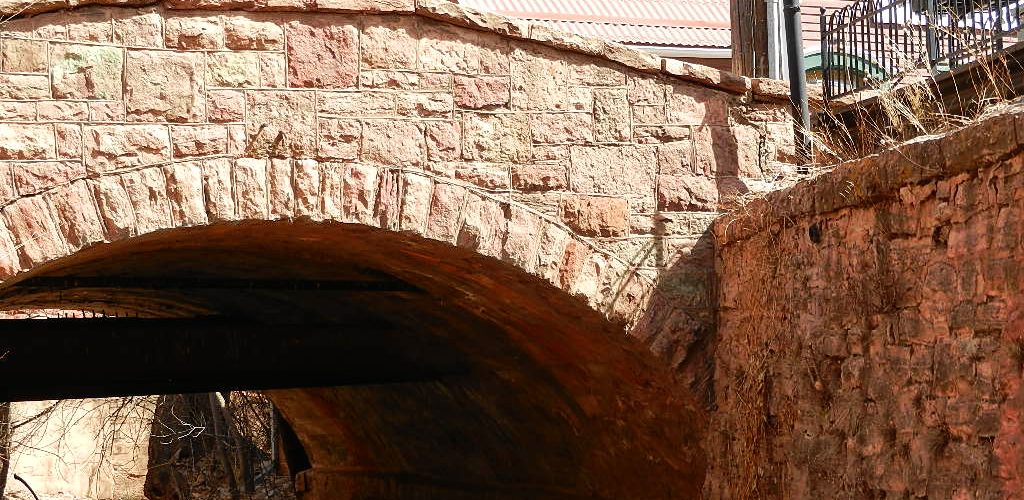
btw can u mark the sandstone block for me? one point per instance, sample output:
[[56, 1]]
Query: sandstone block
[[185, 193], [448, 48], [198, 140], [678, 193], [60, 111], [17, 111], [35, 177], [251, 32], [281, 193], [424, 105], [281, 124], [77, 216], [164, 86], [339, 139], [322, 54], [551, 253], [224, 106], [220, 205], [562, 128], [692, 105], [86, 71], [399, 143], [332, 188], [416, 193], [389, 42], [444, 141], [23, 56], [490, 176], [623, 170], [106, 111], [365, 104], [24, 87], [360, 193], [69, 140], [193, 32], [89, 25], [232, 69], [273, 70], [540, 79], [483, 226], [250, 181], [112, 147], [26, 142], [523, 239], [539, 177], [496, 137], [118, 216], [306, 180], [611, 115], [482, 92], [676, 158], [445, 212], [144, 29], [30, 222], [147, 190], [596, 215]]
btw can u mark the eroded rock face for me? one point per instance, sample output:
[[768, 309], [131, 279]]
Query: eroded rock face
[[870, 329]]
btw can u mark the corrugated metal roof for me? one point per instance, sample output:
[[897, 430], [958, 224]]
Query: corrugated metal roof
[[645, 35], [682, 23]]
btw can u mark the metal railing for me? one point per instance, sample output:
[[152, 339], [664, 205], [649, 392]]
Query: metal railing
[[872, 41]]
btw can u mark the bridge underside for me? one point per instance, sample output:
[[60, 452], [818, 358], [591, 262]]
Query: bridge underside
[[408, 369]]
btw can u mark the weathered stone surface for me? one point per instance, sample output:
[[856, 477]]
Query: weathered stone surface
[[339, 139], [17, 111], [224, 106], [596, 215], [77, 215], [164, 86], [416, 193], [445, 215], [198, 140], [483, 226], [116, 210], [193, 32], [250, 181], [35, 177], [482, 92], [496, 137], [140, 29], [399, 143], [389, 42], [86, 71], [306, 184], [425, 105], [24, 87], [611, 115], [322, 54], [62, 111], [249, 32], [280, 188], [627, 170], [360, 193], [281, 124], [30, 223], [220, 205], [545, 94], [107, 111], [89, 25], [233, 69], [444, 141], [185, 193], [69, 140], [332, 190], [365, 5], [23, 56], [363, 104], [562, 128], [677, 193], [539, 177], [147, 191], [110, 147], [27, 142], [273, 70]]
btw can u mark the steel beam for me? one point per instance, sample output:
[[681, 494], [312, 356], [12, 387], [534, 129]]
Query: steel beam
[[102, 357]]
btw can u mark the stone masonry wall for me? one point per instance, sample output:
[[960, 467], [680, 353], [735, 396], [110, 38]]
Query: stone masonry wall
[[124, 107], [870, 341]]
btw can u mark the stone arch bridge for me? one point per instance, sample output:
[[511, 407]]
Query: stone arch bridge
[[489, 235]]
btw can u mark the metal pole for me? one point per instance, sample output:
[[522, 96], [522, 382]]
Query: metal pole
[[797, 76]]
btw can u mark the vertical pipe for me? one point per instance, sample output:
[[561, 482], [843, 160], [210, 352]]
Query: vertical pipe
[[931, 41], [797, 76], [825, 56]]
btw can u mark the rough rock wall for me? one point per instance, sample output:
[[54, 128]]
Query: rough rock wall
[[631, 153], [870, 340]]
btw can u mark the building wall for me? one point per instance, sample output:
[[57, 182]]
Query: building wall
[[870, 328]]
